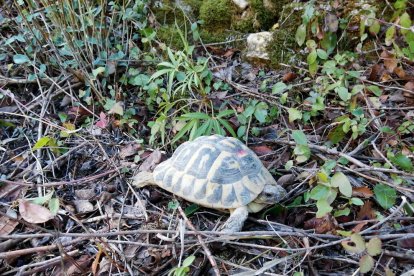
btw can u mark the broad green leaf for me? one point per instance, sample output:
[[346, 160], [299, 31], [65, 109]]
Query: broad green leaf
[[289, 165], [357, 201], [366, 263], [336, 134], [241, 131], [389, 35], [385, 195], [343, 212], [299, 137], [375, 27], [294, 114], [117, 108], [41, 199], [343, 93], [323, 208], [375, 89], [20, 59], [319, 192], [322, 54], [405, 22], [313, 68], [301, 34], [374, 246], [54, 205], [188, 261], [41, 142], [260, 112], [403, 162], [191, 209], [356, 245], [341, 181], [322, 178], [279, 88], [311, 58], [225, 113], [98, 71]]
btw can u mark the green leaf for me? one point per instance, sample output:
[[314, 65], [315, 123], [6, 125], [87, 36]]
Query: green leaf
[[313, 68], [385, 195], [54, 205], [323, 208], [260, 112], [183, 131], [343, 212], [294, 114], [319, 192], [375, 89], [357, 201], [322, 54], [225, 113], [375, 27], [195, 115], [343, 93], [41, 143], [172, 205], [191, 209], [299, 137], [20, 59], [366, 263], [403, 162], [374, 246], [188, 261], [405, 22], [300, 35], [98, 71], [311, 58], [389, 35], [356, 245], [341, 181], [279, 88], [42, 199], [336, 135], [227, 126]]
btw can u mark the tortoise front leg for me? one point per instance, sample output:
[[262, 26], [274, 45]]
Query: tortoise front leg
[[236, 220]]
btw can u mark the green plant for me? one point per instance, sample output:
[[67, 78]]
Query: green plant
[[184, 268], [357, 245]]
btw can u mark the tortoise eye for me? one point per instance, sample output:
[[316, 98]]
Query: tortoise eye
[[268, 194]]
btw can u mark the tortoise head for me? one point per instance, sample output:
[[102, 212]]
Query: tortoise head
[[271, 194]]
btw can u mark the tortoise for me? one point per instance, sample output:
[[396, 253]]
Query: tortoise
[[219, 173]]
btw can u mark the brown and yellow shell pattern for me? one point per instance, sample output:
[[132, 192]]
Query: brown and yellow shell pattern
[[215, 172]]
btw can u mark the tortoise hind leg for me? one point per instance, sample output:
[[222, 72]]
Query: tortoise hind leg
[[236, 220]]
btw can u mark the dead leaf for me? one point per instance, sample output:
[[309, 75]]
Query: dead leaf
[[288, 77], [95, 263], [129, 150], [85, 194], [103, 121], [390, 62], [331, 23], [117, 108], [34, 213], [359, 227], [322, 225], [409, 86], [364, 192], [71, 267], [286, 179], [400, 72], [261, 150], [366, 212], [152, 160], [376, 72], [83, 206], [7, 225]]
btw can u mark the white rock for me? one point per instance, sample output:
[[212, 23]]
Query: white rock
[[256, 45], [242, 4]]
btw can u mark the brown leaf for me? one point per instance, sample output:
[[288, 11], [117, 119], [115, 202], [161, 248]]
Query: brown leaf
[[288, 77], [400, 72], [261, 150], [362, 192], [74, 267], [7, 225], [366, 212], [322, 225], [151, 162], [390, 62], [83, 206], [129, 150], [34, 213], [376, 72], [359, 227], [95, 263], [409, 86]]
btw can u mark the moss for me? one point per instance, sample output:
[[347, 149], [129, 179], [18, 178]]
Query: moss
[[170, 36], [216, 15], [283, 46], [195, 6]]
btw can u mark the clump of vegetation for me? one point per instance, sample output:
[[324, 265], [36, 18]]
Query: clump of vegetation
[[216, 15]]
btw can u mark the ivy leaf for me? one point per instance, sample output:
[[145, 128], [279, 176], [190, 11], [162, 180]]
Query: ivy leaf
[[366, 263], [294, 114], [389, 35], [341, 181], [385, 195], [403, 162], [41, 143], [319, 192], [301, 34], [20, 59], [299, 137], [279, 88], [260, 112], [323, 208], [117, 108], [322, 54], [374, 246], [356, 245]]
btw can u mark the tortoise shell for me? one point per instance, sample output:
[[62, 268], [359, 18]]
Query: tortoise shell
[[215, 172]]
